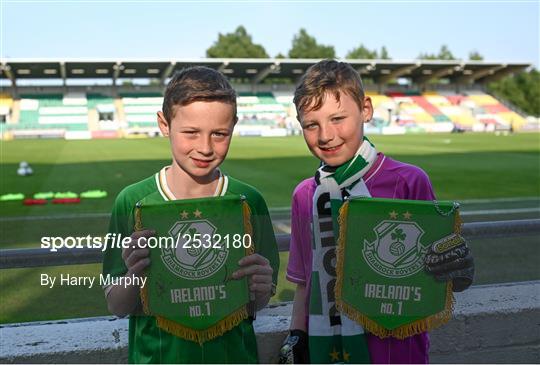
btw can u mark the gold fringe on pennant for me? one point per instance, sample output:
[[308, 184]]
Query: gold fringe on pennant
[[457, 222], [248, 227], [340, 249], [138, 218], [144, 300], [411, 329], [216, 330], [201, 336], [143, 291]]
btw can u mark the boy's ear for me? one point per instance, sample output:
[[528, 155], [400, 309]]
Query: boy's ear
[[163, 124], [367, 109]]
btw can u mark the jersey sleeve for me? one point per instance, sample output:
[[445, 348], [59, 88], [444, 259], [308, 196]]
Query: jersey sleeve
[[300, 239], [119, 224], [263, 232], [418, 185]]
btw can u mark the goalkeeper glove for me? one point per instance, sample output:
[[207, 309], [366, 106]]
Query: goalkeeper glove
[[295, 348], [451, 259]]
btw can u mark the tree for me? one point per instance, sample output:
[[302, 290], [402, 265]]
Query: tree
[[474, 55], [384, 54], [361, 52], [236, 45], [444, 54], [280, 55], [427, 56], [521, 90], [306, 46]]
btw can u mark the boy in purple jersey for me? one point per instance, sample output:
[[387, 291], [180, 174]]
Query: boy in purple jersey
[[332, 109]]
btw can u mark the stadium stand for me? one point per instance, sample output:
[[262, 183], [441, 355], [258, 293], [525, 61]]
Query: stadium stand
[[267, 109], [454, 113], [460, 111], [103, 104], [6, 104], [489, 111], [67, 112], [258, 113], [262, 104], [140, 111]]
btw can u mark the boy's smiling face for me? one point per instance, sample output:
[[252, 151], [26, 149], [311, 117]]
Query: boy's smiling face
[[335, 131], [200, 135]]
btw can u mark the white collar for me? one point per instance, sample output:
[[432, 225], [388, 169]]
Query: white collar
[[166, 193]]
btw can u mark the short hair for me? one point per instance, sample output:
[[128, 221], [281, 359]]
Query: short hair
[[198, 83], [327, 76]]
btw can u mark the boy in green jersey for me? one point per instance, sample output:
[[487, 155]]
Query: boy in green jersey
[[198, 117]]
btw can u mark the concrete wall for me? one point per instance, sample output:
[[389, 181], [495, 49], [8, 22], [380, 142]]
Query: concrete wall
[[492, 324]]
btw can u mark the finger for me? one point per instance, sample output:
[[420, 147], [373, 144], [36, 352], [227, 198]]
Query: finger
[[126, 251], [462, 283], [253, 269], [262, 279], [254, 259], [437, 259], [458, 264], [129, 248], [144, 233], [139, 242], [442, 278], [466, 275], [139, 267], [137, 255], [260, 288]]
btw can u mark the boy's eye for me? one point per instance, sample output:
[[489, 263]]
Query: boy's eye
[[310, 126], [337, 119]]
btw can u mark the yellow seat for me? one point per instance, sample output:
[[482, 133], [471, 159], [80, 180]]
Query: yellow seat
[[514, 119], [6, 100], [483, 99]]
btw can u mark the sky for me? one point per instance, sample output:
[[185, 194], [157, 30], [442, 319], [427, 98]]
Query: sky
[[502, 31]]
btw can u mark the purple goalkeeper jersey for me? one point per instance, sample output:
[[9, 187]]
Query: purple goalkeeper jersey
[[387, 178]]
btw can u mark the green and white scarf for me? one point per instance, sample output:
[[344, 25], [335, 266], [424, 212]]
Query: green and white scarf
[[334, 338]]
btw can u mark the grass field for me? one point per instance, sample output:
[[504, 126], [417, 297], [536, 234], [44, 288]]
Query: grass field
[[461, 167]]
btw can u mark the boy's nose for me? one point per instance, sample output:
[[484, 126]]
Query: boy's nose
[[205, 146], [326, 134]]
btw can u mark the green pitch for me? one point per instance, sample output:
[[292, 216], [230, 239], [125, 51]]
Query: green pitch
[[460, 167]]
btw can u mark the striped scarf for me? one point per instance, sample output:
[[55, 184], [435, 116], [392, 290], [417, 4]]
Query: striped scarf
[[334, 338]]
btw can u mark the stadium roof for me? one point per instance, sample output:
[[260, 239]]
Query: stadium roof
[[256, 70]]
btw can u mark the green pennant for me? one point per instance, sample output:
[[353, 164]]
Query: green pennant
[[381, 282], [190, 289]]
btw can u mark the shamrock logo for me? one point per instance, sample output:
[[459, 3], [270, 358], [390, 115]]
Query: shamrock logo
[[397, 247], [192, 251]]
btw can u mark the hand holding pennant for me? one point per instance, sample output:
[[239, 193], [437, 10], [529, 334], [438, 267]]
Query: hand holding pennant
[[191, 289]]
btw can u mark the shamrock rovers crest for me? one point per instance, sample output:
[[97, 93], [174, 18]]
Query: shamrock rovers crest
[[397, 251], [195, 255]]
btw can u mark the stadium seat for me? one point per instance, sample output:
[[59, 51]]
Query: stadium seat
[[135, 113], [68, 112], [140, 109], [260, 109]]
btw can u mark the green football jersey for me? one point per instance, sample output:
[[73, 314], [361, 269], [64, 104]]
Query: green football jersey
[[147, 342]]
